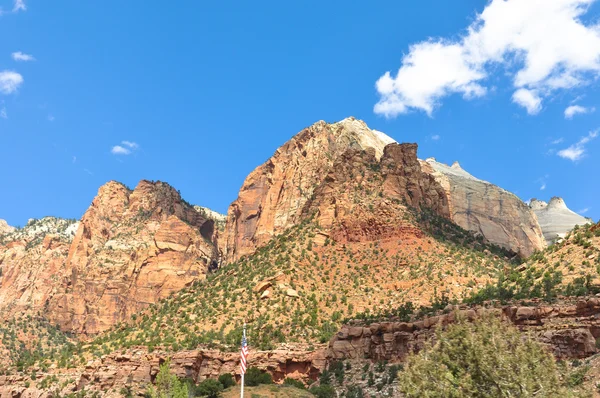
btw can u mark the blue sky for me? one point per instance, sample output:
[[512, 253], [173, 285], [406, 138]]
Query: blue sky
[[198, 94]]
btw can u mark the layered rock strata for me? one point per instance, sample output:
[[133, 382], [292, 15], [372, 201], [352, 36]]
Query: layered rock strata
[[486, 209]]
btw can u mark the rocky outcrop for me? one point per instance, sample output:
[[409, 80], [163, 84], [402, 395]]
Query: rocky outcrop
[[32, 262], [361, 197], [486, 209], [570, 330], [5, 228], [138, 368], [131, 249], [274, 194], [555, 218]]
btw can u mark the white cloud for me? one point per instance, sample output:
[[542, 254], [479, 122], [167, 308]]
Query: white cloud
[[543, 186], [435, 137], [130, 144], [577, 109], [557, 141], [9, 81], [583, 211], [3, 113], [528, 99], [577, 151], [19, 6], [126, 148], [51, 118], [542, 44], [119, 150], [19, 56]]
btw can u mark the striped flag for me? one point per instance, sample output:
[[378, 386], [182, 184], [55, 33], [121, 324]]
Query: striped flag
[[244, 354]]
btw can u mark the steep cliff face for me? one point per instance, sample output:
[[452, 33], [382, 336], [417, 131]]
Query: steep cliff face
[[274, 194], [555, 218], [360, 198], [486, 209], [130, 249], [32, 262]]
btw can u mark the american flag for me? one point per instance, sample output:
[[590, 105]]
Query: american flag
[[244, 355]]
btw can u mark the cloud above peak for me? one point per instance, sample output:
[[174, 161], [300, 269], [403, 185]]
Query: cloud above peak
[[125, 148], [542, 44]]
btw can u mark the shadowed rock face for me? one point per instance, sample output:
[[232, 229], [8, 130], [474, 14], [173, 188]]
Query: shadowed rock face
[[486, 209], [555, 218]]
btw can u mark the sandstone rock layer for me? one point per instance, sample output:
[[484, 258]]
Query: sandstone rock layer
[[486, 209]]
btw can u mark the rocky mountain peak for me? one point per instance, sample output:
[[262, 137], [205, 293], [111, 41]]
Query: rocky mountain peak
[[274, 194], [557, 203], [536, 204], [555, 218], [5, 228]]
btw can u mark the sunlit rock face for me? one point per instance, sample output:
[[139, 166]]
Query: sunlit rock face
[[486, 209], [555, 218]]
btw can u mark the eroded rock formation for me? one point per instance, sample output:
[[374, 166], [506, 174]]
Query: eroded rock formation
[[570, 330], [555, 218], [132, 248], [274, 194]]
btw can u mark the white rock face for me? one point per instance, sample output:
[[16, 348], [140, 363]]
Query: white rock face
[[555, 218], [5, 228], [363, 136]]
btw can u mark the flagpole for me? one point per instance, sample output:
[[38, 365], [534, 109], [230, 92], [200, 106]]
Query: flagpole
[[242, 390]]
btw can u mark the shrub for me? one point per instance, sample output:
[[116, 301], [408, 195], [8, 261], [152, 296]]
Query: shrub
[[167, 385], [227, 380], [255, 376], [324, 391], [210, 388], [487, 358], [294, 383]]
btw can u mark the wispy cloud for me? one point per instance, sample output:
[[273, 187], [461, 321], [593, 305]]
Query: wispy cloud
[[544, 45], [88, 172], [573, 110], [19, 56], [3, 113], [435, 137], [51, 118], [125, 148], [19, 6], [557, 141], [10, 81], [130, 144], [583, 211], [542, 181], [577, 151]]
